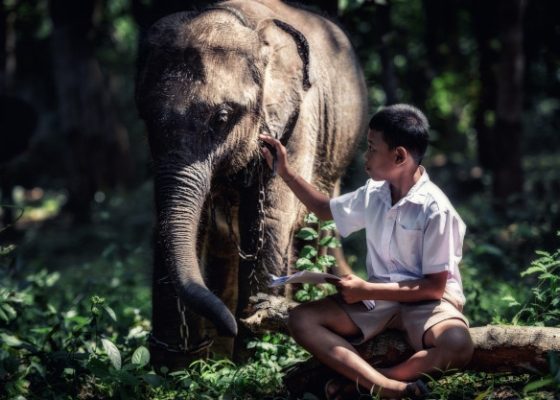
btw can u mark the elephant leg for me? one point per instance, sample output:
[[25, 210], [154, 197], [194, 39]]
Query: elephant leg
[[281, 213], [221, 262]]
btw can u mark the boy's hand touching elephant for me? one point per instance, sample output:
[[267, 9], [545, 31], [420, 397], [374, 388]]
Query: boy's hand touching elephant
[[315, 201], [281, 161]]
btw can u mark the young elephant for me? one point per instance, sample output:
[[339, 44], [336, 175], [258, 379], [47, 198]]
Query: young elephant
[[208, 84]]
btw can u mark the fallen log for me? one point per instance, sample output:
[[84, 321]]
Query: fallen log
[[498, 348]]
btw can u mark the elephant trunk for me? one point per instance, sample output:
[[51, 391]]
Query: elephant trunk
[[180, 196]]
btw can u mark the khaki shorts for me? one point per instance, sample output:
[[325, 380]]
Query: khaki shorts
[[413, 318]]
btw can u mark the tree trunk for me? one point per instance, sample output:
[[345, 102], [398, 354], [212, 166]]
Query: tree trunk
[[484, 15], [98, 154], [3, 31], [508, 173], [497, 348], [388, 75], [7, 46]]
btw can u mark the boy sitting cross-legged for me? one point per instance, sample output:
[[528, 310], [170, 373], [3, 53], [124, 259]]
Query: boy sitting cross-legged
[[414, 241]]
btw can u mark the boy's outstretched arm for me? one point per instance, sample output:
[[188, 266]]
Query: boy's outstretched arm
[[314, 200]]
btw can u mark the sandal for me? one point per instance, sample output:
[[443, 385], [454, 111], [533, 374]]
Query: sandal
[[417, 390]]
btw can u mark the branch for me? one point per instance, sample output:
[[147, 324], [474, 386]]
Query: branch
[[497, 347]]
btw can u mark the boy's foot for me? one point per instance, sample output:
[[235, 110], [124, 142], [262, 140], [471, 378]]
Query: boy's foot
[[341, 389], [417, 390]]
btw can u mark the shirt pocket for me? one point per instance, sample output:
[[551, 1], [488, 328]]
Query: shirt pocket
[[406, 248]]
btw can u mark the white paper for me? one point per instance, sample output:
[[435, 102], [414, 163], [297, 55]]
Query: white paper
[[302, 277], [310, 277]]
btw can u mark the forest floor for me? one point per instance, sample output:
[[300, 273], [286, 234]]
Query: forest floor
[[70, 268]]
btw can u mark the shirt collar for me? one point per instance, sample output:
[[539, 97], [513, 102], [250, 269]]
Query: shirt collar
[[416, 194]]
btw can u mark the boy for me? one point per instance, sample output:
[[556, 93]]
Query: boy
[[414, 240]]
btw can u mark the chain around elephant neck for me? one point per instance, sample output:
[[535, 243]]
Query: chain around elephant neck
[[260, 238]]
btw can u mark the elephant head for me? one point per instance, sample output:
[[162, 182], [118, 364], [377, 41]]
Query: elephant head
[[207, 85]]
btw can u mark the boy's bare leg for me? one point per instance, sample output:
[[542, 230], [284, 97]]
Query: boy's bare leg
[[319, 327], [449, 346]]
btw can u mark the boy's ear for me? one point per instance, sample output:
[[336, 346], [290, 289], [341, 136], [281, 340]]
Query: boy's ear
[[400, 155]]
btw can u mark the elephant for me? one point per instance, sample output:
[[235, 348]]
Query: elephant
[[208, 83]]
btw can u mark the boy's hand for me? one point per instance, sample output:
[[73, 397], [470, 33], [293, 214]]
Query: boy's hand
[[281, 157], [352, 288]]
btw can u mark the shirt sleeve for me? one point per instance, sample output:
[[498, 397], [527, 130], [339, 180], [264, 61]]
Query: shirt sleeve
[[348, 211], [442, 248]]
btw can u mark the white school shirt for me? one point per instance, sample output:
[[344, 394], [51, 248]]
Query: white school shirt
[[421, 234]]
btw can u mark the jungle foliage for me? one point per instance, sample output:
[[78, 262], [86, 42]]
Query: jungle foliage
[[75, 261]]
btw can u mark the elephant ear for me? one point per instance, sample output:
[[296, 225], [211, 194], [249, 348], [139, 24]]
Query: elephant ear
[[286, 75]]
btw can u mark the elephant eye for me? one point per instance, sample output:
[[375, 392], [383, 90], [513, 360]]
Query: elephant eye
[[222, 118]]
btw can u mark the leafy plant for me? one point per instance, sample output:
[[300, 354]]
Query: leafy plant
[[319, 236], [543, 307]]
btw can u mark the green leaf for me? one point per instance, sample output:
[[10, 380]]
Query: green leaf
[[326, 261], [533, 270], [10, 340], [304, 263], [308, 252], [41, 331], [311, 219], [110, 312], [307, 234], [328, 226], [141, 356], [3, 315], [511, 301], [532, 386], [547, 275], [9, 310], [301, 296], [153, 379], [483, 395], [329, 241], [112, 352], [542, 253], [5, 250]]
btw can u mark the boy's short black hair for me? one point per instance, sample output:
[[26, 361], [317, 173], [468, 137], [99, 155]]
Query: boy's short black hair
[[403, 125]]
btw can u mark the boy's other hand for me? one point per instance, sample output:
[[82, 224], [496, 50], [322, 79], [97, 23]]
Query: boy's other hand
[[281, 156], [352, 288]]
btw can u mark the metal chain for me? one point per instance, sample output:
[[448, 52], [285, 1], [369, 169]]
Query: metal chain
[[183, 333], [260, 239], [183, 328]]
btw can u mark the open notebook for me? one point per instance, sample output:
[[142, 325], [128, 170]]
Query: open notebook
[[310, 277]]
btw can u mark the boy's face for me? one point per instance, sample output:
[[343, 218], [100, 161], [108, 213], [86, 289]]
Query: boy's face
[[380, 160]]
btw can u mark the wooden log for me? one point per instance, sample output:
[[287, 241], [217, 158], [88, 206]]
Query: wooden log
[[498, 348]]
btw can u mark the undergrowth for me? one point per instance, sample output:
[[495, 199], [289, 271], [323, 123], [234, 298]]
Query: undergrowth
[[80, 332]]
